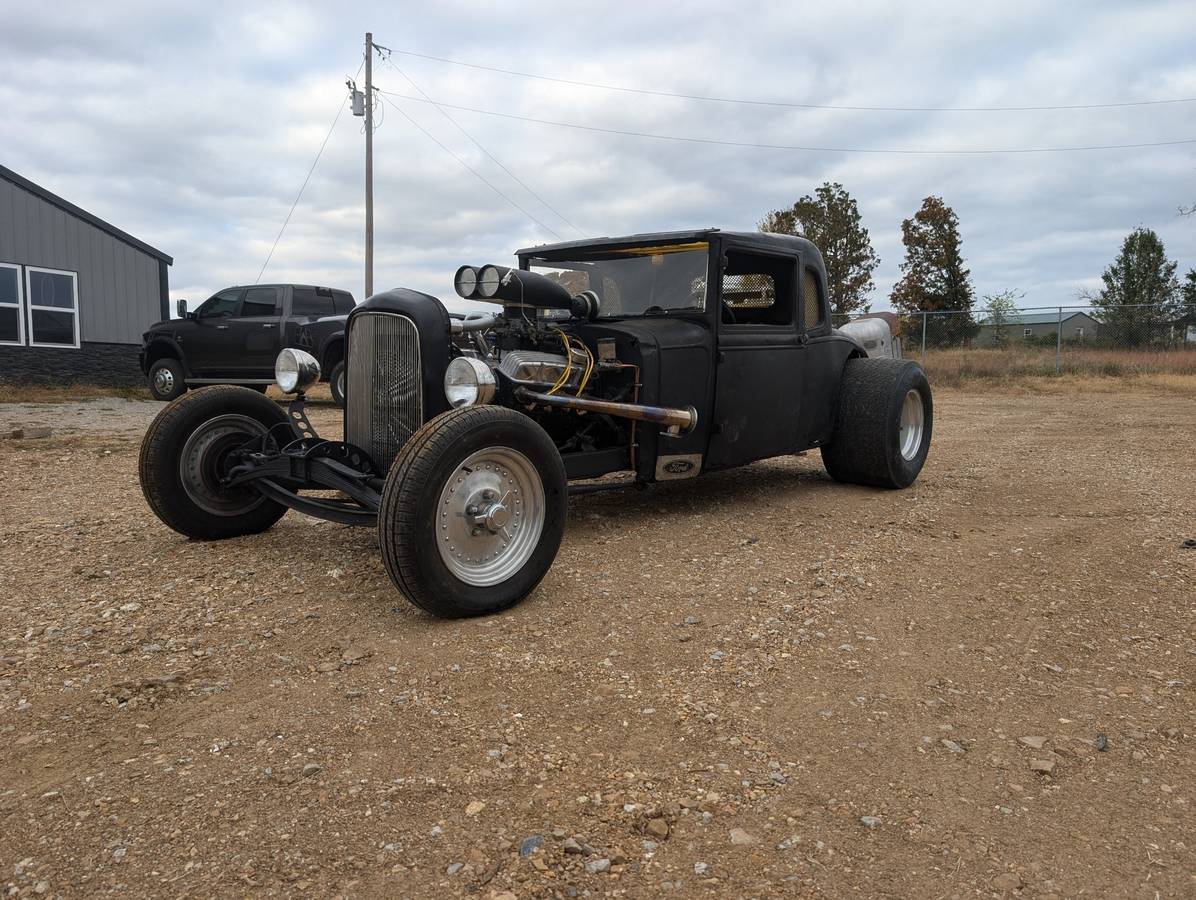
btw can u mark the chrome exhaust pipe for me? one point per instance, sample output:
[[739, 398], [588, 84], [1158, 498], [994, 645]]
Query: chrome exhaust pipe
[[677, 421]]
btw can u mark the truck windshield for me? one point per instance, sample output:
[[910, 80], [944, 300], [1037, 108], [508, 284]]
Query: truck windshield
[[637, 280]]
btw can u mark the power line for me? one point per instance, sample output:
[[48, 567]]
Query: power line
[[339, 110], [763, 146], [785, 104], [476, 143], [482, 178]]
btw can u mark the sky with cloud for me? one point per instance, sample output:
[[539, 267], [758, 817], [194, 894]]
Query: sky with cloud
[[193, 126]]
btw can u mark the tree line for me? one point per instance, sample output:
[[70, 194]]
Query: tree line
[[1139, 287]]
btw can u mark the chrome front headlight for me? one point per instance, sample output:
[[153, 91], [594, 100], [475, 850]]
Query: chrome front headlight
[[468, 382], [295, 370]]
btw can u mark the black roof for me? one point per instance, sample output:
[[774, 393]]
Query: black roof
[[65, 205], [761, 239]]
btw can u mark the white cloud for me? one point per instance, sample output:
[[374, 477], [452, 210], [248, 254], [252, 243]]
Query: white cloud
[[193, 128]]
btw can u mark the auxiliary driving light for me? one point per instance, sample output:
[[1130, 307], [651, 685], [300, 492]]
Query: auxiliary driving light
[[295, 370], [468, 382]]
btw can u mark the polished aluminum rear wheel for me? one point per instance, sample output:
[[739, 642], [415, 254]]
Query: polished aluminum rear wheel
[[913, 416]]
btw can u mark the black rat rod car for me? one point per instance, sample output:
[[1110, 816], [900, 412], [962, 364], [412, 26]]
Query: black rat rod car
[[660, 355]]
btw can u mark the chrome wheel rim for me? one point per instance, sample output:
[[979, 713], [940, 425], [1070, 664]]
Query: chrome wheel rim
[[490, 516], [913, 417], [204, 462], [340, 384], [164, 380]]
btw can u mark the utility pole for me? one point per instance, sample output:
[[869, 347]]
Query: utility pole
[[369, 163]]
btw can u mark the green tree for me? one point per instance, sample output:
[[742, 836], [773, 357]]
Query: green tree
[[1000, 312], [1140, 292], [831, 220], [1188, 296], [933, 277]]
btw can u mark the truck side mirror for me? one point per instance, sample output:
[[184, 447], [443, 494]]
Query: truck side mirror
[[180, 307]]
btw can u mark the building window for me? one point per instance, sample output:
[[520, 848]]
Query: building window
[[12, 320], [53, 298]]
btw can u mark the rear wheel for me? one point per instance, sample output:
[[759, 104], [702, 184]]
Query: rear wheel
[[473, 512], [186, 453], [884, 424], [166, 379], [336, 383]]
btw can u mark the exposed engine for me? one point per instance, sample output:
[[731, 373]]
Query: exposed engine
[[543, 354]]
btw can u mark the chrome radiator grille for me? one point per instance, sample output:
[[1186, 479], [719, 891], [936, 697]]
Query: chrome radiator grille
[[384, 402]]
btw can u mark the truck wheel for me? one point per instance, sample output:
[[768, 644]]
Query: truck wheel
[[336, 383], [473, 511], [185, 453], [884, 420], [166, 379]]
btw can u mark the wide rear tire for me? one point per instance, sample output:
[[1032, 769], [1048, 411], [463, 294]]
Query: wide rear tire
[[883, 425], [473, 511], [185, 453]]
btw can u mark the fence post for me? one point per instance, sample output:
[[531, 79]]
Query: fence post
[[924, 337], [1059, 344]]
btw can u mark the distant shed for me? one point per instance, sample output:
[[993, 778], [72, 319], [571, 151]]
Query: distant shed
[[1077, 327], [76, 293]]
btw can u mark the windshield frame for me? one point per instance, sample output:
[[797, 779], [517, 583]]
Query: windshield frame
[[575, 257]]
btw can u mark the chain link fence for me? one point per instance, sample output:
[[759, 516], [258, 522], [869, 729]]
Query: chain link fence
[[1050, 340]]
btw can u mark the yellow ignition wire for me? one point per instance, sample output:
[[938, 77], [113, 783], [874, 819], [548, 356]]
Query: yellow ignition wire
[[560, 382]]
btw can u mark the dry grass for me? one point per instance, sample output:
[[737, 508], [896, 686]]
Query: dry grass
[[1016, 368], [13, 392], [956, 367]]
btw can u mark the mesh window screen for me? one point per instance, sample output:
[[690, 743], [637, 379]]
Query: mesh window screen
[[811, 308], [750, 291]]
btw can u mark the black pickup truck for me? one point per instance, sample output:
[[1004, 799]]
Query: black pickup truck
[[236, 335]]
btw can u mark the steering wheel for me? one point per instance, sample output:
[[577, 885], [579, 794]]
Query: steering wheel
[[728, 313]]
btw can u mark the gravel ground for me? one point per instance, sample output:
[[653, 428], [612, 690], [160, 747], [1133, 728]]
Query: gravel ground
[[757, 683]]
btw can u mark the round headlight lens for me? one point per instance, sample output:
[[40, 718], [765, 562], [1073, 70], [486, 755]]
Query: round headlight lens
[[468, 382], [295, 370], [466, 281]]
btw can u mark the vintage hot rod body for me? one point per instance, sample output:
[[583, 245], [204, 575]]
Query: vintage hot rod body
[[661, 356]]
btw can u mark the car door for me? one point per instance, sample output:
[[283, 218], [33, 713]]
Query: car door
[[205, 338], [760, 359], [253, 335]]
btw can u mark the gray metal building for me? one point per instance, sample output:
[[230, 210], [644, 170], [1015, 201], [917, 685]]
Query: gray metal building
[[76, 293], [1077, 327]]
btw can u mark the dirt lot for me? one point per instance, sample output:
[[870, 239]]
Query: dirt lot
[[755, 684]]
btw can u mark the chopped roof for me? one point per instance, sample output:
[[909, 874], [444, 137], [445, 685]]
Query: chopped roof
[[65, 205], [761, 239]]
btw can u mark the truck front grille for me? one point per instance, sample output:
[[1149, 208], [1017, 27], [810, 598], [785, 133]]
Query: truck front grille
[[384, 402]]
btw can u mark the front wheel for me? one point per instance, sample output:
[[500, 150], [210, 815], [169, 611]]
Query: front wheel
[[884, 422], [166, 379], [473, 512], [186, 453]]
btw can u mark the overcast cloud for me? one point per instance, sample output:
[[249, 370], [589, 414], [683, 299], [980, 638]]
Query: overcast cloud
[[192, 128]]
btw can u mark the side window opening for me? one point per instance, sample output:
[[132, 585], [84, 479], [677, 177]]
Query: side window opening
[[757, 290], [260, 302], [221, 306], [811, 316], [317, 302]]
